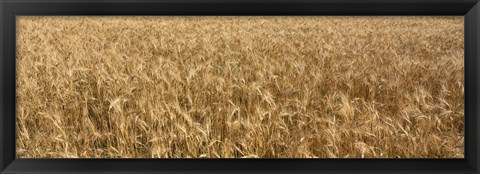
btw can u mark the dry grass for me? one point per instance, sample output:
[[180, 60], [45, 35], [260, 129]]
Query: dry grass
[[228, 87]]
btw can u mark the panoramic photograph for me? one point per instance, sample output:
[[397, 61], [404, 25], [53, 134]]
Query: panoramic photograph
[[240, 87]]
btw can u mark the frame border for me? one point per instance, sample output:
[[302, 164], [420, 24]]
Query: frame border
[[9, 9]]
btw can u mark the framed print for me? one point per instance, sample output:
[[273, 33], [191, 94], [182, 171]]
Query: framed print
[[311, 86]]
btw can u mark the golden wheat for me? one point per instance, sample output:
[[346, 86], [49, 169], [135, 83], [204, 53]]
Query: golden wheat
[[232, 87]]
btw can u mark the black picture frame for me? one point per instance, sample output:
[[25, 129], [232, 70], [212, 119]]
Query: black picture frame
[[9, 9]]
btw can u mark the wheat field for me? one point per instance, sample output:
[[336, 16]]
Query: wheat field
[[240, 87]]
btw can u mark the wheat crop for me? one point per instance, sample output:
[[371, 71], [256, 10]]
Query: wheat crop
[[240, 87]]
